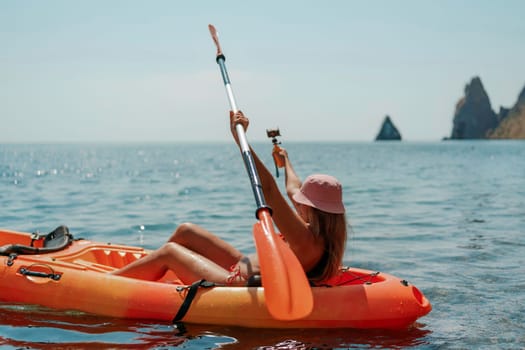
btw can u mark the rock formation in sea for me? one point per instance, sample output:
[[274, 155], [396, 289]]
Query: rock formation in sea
[[474, 116], [388, 131], [475, 119], [511, 121]]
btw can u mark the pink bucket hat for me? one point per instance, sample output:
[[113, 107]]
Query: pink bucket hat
[[323, 192]]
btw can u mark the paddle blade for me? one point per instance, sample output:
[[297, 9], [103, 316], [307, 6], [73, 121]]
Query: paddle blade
[[287, 292], [215, 38]]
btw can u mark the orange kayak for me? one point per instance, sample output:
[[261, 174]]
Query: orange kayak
[[60, 272]]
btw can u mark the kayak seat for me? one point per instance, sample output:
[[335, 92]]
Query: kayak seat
[[254, 281], [56, 240]]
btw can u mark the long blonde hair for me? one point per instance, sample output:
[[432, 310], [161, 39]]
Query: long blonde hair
[[332, 228]]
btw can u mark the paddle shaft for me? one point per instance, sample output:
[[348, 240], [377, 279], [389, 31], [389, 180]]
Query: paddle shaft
[[243, 141]]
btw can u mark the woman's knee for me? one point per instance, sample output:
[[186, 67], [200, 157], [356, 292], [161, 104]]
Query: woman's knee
[[183, 232], [169, 250]]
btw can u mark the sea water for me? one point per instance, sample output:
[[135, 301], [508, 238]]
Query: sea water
[[449, 217]]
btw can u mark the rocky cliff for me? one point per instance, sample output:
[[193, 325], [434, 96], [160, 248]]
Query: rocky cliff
[[474, 116], [511, 121], [388, 131], [475, 119]]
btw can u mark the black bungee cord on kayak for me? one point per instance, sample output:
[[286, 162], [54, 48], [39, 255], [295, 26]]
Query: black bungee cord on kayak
[[188, 299]]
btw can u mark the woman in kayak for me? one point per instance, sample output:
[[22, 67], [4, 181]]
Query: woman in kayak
[[315, 231]]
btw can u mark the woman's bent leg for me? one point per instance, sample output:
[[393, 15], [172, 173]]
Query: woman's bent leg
[[206, 244], [189, 266]]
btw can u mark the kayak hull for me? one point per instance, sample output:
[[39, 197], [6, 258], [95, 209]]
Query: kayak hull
[[77, 278]]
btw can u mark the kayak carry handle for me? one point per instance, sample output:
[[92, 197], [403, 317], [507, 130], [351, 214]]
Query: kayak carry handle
[[52, 275]]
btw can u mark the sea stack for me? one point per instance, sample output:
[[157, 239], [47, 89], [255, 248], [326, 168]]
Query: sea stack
[[388, 131], [473, 117]]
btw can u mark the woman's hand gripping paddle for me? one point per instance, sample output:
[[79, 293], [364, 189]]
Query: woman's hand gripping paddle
[[286, 289]]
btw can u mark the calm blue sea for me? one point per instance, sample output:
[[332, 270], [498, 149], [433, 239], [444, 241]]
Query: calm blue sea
[[447, 216]]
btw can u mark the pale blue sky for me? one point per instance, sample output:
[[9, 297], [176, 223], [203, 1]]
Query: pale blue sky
[[320, 70]]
